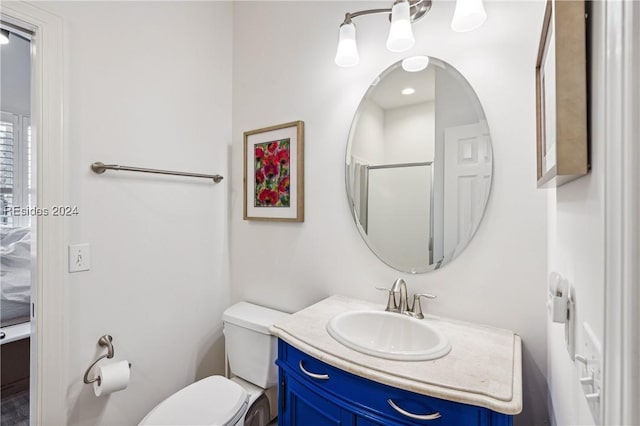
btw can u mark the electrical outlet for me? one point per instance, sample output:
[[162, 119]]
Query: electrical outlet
[[79, 257]]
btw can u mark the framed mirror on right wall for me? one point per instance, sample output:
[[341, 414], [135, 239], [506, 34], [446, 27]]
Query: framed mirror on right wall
[[561, 95]]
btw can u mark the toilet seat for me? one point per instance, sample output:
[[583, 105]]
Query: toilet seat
[[213, 401]]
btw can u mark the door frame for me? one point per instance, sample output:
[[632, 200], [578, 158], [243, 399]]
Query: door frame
[[48, 332], [621, 386]]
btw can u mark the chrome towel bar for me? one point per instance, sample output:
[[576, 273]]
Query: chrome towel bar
[[100, 168]]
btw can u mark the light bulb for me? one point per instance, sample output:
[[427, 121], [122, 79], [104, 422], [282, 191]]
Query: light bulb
[[400, 34], [347, 54], [408, 91], [415, 63], [468, 16], [4, 37]]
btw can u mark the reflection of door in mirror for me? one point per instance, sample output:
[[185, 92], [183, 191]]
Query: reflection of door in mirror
[[462, 139], [467, 173]]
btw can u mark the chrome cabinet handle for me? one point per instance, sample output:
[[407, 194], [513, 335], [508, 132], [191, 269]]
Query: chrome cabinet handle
[[314, 375], [433, 416]]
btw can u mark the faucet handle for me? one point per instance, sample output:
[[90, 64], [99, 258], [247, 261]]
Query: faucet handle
[[416, 308], [391, 302]]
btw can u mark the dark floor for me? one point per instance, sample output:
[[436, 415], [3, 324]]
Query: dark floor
[[15, 409]]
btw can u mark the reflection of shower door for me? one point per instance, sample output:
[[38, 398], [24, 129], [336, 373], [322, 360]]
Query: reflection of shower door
[[467, 176], [399, 213]]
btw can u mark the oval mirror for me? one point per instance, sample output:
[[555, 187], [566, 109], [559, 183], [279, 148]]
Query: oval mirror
[[418, 165]]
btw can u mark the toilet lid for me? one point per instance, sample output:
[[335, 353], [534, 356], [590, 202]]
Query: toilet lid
[[214, 401]]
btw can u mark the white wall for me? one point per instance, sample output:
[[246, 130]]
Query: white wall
[[409, 133], [500, 279], [576, 250], [146, 84], [15, 68], [368, 139], [394, 136]]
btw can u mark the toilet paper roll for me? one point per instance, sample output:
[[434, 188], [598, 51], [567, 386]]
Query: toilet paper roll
[[113, 377]]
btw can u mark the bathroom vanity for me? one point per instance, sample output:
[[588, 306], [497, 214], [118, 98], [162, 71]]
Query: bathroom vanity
[[323, 382]]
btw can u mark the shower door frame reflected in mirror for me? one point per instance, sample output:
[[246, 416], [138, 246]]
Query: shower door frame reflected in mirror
[[398, 201], [460, 110]]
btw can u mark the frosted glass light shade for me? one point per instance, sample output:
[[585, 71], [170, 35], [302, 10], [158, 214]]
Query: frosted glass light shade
[[347, 54], [468, 16], [4, 37], [400, 34], [415, 63]]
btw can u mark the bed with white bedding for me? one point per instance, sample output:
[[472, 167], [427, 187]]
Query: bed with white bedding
[[15, 275]]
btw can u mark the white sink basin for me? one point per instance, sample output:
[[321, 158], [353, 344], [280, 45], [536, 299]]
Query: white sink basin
[[388, 335]]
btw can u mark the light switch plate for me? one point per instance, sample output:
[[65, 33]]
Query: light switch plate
[[79, 257]]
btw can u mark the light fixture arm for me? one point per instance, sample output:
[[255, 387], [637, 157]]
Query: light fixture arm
[[351, 15], [418, 9]]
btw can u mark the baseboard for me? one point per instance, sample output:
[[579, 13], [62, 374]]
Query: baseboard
[[13, 388]]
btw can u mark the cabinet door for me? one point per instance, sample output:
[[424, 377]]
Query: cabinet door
[[302, 406]]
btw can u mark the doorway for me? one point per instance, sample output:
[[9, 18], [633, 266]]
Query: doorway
[[17, 196], [47, 333]]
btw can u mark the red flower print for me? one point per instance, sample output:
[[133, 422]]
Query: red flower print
[[270, 159], [259, 153], [271, 170], [283, 157], [268, 197], [284, 186], [271, 173]]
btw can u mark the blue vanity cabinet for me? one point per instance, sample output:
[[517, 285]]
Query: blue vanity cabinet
[[314, 393], [302, 406]]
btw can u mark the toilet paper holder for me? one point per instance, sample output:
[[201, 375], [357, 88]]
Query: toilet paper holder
[[104, 341]]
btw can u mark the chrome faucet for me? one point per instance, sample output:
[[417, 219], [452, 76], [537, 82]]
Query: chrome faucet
[[399, 288], [398, 301]]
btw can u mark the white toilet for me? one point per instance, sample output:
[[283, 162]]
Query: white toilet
[[242, 400]]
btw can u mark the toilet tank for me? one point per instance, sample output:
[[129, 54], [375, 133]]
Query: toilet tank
[[251, 349]]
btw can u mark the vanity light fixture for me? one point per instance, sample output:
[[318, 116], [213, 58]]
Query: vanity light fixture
[[400, 39], [408, 91], [4, 37], [347, 55], [468, 15], [400, 34]]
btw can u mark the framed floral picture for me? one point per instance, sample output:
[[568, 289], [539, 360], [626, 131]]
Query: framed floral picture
[[274, 173]]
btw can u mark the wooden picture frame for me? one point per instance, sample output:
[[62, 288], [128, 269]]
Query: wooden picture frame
[[561, 95], [274, 173]]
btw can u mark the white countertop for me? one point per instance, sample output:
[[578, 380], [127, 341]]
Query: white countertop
[[484, 367]]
